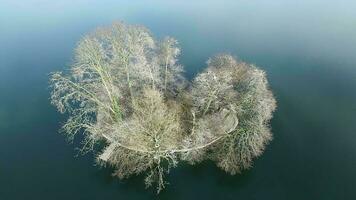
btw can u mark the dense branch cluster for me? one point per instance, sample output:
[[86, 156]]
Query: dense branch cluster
[[126, 89]]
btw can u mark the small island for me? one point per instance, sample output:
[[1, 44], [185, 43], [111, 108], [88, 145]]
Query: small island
[[126, 89]]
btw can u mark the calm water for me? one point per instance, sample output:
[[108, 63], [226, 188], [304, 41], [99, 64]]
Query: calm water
[[307, 48]]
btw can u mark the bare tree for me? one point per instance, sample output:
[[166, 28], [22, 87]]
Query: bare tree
[[126, 89]]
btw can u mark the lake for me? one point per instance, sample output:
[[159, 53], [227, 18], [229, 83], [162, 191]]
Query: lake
[[307, 48]]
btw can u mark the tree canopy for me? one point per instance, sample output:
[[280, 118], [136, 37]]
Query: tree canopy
[[126, 89]]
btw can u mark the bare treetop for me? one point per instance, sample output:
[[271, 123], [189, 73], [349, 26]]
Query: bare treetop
[[127, 89]]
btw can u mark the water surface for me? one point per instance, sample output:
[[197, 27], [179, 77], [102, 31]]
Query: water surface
[[307, 49]]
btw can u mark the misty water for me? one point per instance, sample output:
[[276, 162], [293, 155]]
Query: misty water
[[308, 50]]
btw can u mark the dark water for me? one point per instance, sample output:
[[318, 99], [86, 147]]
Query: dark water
[[307, 48]]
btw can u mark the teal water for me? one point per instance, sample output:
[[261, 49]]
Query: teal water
[[308, 49]]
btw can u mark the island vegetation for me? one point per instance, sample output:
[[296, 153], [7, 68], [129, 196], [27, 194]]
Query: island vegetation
[[127, 90]]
